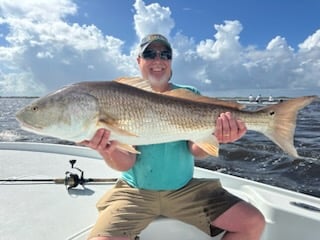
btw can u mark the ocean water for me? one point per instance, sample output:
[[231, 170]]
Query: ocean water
[[253, 157]]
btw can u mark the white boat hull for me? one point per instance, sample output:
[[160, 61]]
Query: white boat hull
[[48, 211]]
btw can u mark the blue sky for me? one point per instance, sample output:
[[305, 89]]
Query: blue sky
[[262, 20], [224, 48]]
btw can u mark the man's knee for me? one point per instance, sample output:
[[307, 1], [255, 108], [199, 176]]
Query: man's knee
[[259, 221], [109, 238], [255, 224]]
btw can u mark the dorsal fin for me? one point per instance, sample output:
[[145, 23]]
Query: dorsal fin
[[179, 93], [187, 94], [135, 82]]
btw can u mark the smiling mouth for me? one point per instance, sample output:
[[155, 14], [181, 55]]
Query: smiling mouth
[[157, 69]]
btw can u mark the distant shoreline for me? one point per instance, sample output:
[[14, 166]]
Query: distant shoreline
[[19, 97]]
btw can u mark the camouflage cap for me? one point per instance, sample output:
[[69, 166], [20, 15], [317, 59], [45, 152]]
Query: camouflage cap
[[146, 41]]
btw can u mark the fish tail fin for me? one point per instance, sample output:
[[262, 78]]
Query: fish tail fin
[[281, 129]]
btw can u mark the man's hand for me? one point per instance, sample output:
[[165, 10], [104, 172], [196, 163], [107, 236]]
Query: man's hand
[[229, 129], [101, 143], [115, 158]]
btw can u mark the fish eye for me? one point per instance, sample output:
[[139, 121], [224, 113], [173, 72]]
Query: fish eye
[[34, 108]]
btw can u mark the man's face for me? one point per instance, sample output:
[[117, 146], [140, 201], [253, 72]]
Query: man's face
[[157, 70]]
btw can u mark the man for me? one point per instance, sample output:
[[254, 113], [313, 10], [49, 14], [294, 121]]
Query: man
[[159, 180]]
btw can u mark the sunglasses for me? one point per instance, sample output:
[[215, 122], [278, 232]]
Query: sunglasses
[[152, 54]]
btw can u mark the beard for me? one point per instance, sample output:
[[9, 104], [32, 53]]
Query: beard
[[159, 83]]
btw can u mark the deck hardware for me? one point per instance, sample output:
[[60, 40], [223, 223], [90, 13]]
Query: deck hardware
[[305, 206]]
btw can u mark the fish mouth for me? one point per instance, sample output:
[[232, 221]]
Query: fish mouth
[[28, 127], [24, 125]]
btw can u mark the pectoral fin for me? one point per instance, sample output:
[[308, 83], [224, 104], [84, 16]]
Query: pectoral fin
[[209, 144], [127, 148], [113, 127]]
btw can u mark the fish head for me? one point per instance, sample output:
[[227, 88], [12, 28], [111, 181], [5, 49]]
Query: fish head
[[62, 114]]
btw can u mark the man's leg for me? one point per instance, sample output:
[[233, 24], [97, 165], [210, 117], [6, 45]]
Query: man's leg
[[242, 222], [124, 212], [109, 238]]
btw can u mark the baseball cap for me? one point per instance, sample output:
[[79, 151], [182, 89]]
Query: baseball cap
[[146, 41]]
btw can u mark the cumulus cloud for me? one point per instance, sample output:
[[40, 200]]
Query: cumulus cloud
[[152, 18], [44, 51]]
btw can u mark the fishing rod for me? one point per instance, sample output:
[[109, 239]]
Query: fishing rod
[[71, 179]]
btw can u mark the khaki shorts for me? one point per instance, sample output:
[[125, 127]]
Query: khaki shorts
[[125, 211]]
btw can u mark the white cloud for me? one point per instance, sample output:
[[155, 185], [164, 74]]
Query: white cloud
[[38, 10], [43, 51], [20, 84], [223, 63], [312, 42], [44, 48], [226, 45], [152, 18]]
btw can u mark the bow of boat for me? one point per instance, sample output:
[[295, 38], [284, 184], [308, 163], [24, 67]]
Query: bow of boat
[[47, 210]]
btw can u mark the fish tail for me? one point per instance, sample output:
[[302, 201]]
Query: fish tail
[[281, 129]]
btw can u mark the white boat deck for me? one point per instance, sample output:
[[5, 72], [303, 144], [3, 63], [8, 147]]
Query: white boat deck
[[48, 211]]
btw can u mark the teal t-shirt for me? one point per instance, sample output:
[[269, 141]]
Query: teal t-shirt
[[165, 166]]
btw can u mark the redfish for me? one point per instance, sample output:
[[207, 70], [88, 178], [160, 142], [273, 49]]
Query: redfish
[[135, 115]]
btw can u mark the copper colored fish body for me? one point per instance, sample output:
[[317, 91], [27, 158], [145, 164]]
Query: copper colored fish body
[[137, 116]]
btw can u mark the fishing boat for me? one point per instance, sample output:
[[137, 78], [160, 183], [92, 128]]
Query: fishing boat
[[259, 100], [257, 103], [49, 191]]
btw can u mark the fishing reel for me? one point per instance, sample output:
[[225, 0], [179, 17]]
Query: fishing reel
[[72, 179]]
